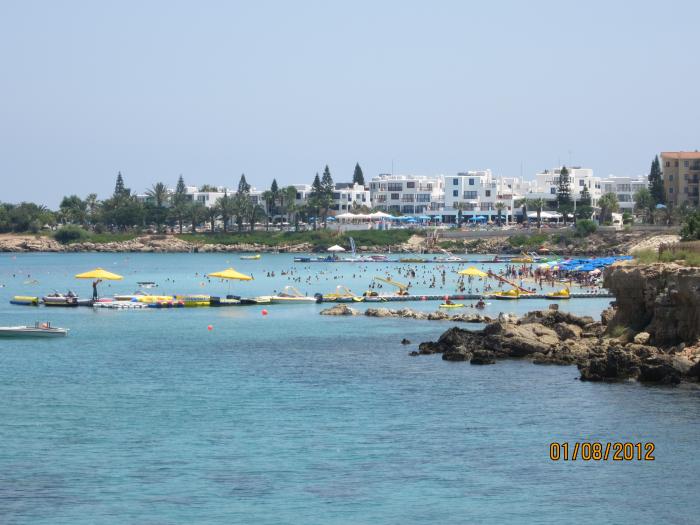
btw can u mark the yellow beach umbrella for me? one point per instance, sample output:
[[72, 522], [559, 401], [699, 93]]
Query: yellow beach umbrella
[[230, 273], [473, 272], [99, 273]]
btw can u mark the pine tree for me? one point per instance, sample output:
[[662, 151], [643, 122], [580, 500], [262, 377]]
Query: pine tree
[[243, 186], [585, 198], [564, 189], [119, 186], [656, 183], [358, 177], [327, 181], [180, 191], [316, 197]]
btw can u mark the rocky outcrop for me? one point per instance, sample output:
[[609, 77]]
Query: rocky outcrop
[[662, 300], [409, 313], [554, 337], [339, 309]]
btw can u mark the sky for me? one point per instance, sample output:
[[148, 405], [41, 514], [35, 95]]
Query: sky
[[212, 89]]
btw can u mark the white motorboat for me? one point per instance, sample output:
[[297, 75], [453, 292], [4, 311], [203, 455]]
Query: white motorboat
[[291, 295], [38, 330]]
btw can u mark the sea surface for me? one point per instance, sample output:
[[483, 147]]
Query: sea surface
[[149, 417]]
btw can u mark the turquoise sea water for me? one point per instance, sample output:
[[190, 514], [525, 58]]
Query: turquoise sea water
[[147, 417]]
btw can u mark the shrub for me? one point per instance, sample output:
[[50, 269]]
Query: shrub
[[585, 227], [69, 234], [691, 227]]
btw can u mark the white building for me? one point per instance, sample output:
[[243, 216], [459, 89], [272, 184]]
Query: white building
[[476, 193], [348, 196], [624, 188], [547, 183], [407, 194]]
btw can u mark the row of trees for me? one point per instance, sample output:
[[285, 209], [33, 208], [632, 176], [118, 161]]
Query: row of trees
[[163, 208]]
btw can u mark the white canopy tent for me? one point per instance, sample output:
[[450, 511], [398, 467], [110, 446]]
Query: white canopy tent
[[336, 248]]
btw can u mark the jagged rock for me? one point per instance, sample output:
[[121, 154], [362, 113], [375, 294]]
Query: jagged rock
[[659, 369], [519, 340], [339, 309], [568, 331], [614, 364], [642, 338], [607, 315]]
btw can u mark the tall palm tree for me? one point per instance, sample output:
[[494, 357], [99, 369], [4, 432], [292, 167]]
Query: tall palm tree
[[289, 199], [226, 208], [159, 193], [211, 214], [608, 205], [499, 208], [268, 198], [538, 205]]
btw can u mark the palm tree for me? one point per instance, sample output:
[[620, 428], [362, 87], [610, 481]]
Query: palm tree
[[538, 205], [268, 199], [225, 207], [255, 211], [499, 208], [159, 193], [522, 203], [289, 200], [460, 207], [608, 205], [197, 212], [211, 214]]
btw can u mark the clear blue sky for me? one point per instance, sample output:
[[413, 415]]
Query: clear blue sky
[[278, 89]]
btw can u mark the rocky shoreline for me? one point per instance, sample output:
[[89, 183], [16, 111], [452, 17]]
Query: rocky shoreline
[[598, 244], [650, 334]]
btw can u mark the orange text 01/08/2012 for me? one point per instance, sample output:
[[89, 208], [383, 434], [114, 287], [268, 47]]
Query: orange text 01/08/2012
[[597, 451]]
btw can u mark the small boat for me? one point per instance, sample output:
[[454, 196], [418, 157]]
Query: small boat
[[451, 305], [147, 284], [25, 300], [561, 294], [342, 294], [452, 258], [224, 301], [412, 260], [38, 330], [250, 257], [509, 295], [291, 295], [263, 299], [119, 305], [302, 259], [58, 299]]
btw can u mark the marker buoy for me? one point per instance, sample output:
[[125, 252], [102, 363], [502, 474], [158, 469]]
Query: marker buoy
[[210, 328], [264, 312], [424, 298]]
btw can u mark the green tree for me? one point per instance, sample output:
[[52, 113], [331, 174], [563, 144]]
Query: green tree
[[656, 183], [690, 231], [537, 205], [208, 188], [212, 212], [74, 210], [242, 206], [564, 188], [608, 205], [179, 209], [358, 177], [327, 187], [120, 191], [226, 208], [315, 201], [196, 212], [644, 204], [499, 208], [584, 210], [290, 206], [158, 213]]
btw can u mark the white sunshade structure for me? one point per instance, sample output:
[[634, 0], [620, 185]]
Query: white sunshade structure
[[545, 215], [336, 248], [353, 217], [379, 215]]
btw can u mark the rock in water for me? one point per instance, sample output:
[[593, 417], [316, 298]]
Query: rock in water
[[339, 309], [405, 341]]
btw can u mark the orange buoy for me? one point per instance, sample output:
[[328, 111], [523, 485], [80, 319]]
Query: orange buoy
[[264, 312], [210, 328]]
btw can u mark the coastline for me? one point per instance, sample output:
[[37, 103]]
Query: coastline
[[608, 243]]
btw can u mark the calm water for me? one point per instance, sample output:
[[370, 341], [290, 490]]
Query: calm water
[[148, 417]]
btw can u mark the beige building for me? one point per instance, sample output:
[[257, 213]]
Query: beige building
[[681, 174]]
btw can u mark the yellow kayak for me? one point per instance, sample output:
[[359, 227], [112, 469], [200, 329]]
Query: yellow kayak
[[453, 305]]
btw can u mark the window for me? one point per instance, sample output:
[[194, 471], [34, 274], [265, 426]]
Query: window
[[395, 186], [686, 163], [336, 196], [380, 198], [668, 164], [455, 182], [471, 182], [670, 178], [675, 163], [410, 184], [455, 193], [423, 197], [553, 190], [407, 209], [488, 193], [407, 197], [581, 182], [470, 195], [394, 196]]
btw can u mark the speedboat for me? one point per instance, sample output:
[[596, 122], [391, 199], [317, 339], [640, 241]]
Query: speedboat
[[38, 330], [147, 284], [452, 258], [291, 295], [58, 299]]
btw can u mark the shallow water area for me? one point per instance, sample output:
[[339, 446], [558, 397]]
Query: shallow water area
[[292, 417]]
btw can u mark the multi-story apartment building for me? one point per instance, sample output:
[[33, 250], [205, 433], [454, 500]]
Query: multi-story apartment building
[[547, 183], [681, 174], [348, 196], [407, 194], [624, 188], [476, 193]]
